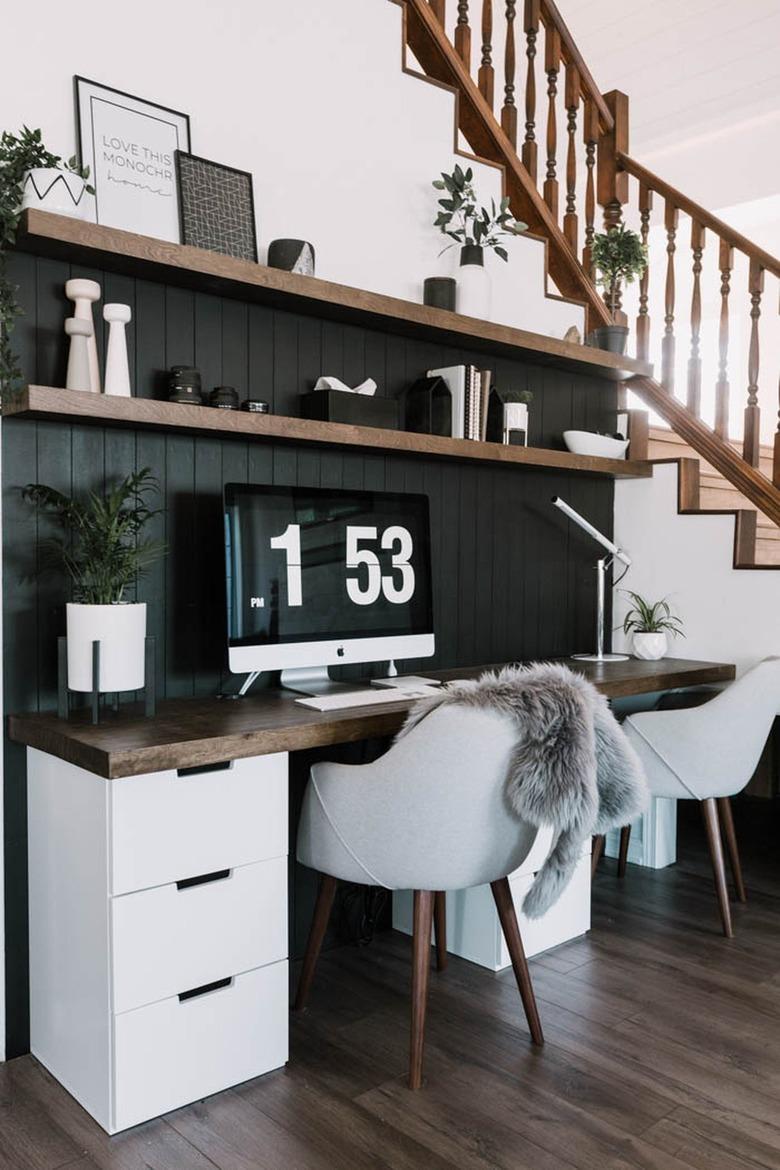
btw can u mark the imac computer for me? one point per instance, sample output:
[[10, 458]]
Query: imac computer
[[320, 577]]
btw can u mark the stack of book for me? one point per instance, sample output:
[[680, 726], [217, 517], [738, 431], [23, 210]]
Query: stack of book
[[470, 391]]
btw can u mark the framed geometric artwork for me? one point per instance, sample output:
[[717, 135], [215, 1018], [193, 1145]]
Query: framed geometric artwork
[[129, 145], [216, 207]]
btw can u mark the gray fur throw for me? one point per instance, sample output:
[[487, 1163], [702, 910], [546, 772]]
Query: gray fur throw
[[572, 766]]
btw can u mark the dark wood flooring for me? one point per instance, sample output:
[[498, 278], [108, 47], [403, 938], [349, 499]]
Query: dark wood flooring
[[663, 1053]]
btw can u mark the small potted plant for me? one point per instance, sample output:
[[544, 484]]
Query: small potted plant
[[30, 176], [474, 229], [103, 552], [619, 256], [650, 622]]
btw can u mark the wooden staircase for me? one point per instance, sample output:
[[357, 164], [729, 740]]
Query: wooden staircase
[[562, 163]]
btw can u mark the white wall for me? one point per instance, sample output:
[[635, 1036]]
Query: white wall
[[730, 615], [310, 97]]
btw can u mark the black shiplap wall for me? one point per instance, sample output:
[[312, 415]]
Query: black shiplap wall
[[510, 579]]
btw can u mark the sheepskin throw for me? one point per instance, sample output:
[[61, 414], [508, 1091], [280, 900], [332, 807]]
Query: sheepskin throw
[[572, 766]]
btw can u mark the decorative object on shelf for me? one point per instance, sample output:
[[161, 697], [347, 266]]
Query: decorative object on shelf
[[184, 385], [224, 398], [84, 293], [469, 389], [103, 551], [117, 366], [573, 335], [216, 207], [255, 406], [475, 229], [61, 192], [593, 443], [619, 256], [292, 256], [326, 382], [427, 407], [440, 292], [346, 406], [20, 155], [603, 563], [650, 622], [129, 144], [77, 376], [507, 418]]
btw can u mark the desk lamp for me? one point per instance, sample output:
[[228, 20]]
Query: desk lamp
[[602, 565]]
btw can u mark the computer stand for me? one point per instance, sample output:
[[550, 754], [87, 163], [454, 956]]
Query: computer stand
[[314, 680]]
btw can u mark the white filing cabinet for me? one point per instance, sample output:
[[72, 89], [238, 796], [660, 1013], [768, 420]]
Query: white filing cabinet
[[158, 931]]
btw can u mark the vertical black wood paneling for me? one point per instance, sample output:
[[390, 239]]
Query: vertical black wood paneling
[[511, 579]]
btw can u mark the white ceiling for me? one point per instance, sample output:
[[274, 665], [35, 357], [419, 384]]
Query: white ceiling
[[703, 79]]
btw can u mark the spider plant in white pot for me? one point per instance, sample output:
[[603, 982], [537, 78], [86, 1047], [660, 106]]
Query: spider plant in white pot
[[102, 551], [650, 622]]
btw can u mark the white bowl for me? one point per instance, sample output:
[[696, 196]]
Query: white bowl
[[588, 443]]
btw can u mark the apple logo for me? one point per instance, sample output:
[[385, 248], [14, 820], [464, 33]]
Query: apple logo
[[340, 651]]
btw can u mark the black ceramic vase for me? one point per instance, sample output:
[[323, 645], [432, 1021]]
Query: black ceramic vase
[[292, 256]]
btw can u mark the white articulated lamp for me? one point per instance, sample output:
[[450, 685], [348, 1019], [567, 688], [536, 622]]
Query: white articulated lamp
[[602, 565]]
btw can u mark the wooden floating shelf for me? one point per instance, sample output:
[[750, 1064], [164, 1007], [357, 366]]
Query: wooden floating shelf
[[71, 406], [63, 238]]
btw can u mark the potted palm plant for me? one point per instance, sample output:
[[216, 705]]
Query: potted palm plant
[[103, 551], [474, 229], [650, 622], [619, 257]]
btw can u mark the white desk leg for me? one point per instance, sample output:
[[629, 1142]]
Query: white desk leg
[[653, 836]]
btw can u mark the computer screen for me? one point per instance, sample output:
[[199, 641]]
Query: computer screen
[[318, 576]]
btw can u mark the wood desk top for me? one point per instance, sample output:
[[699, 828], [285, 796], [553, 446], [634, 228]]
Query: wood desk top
[[190, 732]]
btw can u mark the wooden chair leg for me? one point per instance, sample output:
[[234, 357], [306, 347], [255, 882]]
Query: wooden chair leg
[[709, 810], [502, 895], [319, 925], [727, 826], [421, 963], [625, 841], [597, 848], [440, 929]]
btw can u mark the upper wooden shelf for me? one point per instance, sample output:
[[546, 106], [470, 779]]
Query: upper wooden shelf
[[148, 413], [117, 251]]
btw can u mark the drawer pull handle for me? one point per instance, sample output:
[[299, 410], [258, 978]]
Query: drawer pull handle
[[202, 769], [217, 876], [205, 989]]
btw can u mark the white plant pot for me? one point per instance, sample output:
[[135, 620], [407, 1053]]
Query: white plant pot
[[649, 647], [474, 288], [61, 192], [121, 630]]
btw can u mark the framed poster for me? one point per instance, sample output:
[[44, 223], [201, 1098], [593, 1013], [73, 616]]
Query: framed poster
[[217, 207], [129, 146]]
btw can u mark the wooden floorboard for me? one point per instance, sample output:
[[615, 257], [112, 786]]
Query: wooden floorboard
[[662, 1053]]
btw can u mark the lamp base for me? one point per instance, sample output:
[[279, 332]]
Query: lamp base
[[601, 657]]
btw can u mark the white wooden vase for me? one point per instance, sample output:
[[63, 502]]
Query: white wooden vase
[[121, 630]]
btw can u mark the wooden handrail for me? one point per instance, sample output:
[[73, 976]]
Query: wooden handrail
[[734, 238], [572, 56]]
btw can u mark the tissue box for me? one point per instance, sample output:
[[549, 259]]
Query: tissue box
[[361, 410]]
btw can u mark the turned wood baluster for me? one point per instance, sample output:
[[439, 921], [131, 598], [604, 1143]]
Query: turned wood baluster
[[463, 34], [590, 134], [643, 319], [671, 219], [438, 9], [509, 108], [552, 65], [570, 225], [694, 362], [485, 77], [752, 440], [722, 392], [612, 182], [531, 28]]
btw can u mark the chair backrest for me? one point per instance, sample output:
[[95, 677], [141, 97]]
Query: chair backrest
[[432, 813], [714, 749]]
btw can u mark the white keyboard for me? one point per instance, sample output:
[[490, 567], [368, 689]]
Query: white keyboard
[[342, 700]]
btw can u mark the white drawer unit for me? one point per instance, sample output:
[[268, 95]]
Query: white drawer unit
[[158, 931]]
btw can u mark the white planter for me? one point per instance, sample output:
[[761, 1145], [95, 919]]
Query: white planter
[[649, 647], [473, 295], [50, 189], [121, 630]]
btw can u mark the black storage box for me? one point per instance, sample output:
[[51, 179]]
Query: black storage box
[[361, 410]]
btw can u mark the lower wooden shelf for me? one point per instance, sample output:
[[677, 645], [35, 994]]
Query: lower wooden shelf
[[69, 406]]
